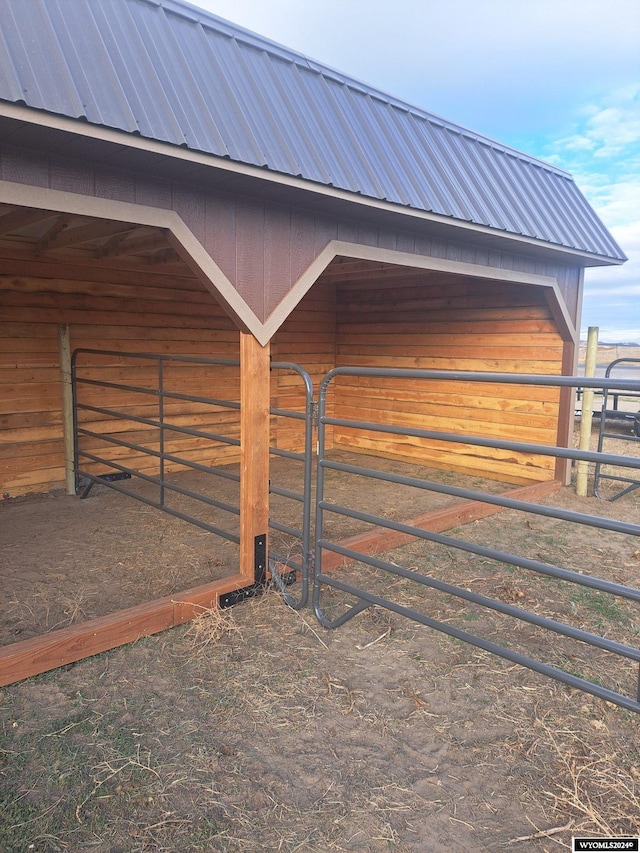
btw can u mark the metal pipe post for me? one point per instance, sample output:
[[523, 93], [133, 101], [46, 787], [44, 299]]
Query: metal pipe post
[[586, 418]]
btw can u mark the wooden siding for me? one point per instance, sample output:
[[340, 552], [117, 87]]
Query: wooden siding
[[308, 338], [437, 322], [446, 323], [123, 310], [263, 248], [430, 321]]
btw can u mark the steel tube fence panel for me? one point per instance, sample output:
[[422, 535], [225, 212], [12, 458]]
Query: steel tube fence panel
[[147, 451], [365, 598], [163, 427], [632, 482], [149, 478], [368, 599], [152, 356], [169, 395], [480, 441], [287, 413], [483, 551], [304, 567], [286, 454], [470, 376], [496, 500], [285, 528], [287, 493], [493, 604], [225, 534], [196, 433]]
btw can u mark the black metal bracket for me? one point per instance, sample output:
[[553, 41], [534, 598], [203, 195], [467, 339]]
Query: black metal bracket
[[240, 595], [260, 573], [104, 478]]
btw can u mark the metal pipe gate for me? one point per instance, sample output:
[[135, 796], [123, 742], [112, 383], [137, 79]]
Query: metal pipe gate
[[365, 598], [601, 473], [314, 543], [158, 395], [304, 497], [162, 426]]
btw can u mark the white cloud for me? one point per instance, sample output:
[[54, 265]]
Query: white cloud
[[602, 152], [608, 129], [496, 66]]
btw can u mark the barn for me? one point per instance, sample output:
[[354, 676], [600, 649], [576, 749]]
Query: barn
[[189, 213]]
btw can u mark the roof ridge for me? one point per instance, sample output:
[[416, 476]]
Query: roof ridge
[[202, 16]]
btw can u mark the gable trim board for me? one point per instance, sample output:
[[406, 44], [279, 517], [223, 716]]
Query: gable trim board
[[210, 274]]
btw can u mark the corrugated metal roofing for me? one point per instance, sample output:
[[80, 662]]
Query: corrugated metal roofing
[[173, 73]]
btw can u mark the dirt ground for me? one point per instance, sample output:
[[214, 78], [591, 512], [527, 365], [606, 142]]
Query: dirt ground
[[256, 729], [64, 559]]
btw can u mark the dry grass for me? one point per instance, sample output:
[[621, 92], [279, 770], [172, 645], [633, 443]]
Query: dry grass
[[39, 614], [209, 627], [599, 789], [253, 729]]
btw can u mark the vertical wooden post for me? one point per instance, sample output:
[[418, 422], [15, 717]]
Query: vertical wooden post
[[254, 451], [586, 416], [566, 412], [64, 355]]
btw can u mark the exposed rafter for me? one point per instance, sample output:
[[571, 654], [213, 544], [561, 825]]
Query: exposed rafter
[[49, 236], [345, 270], [22, 217], [87, 232], [152, 240], [43, 234], [164, 256]]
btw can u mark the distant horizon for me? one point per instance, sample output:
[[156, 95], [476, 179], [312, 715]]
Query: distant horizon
[[602, 343], [614, 336]]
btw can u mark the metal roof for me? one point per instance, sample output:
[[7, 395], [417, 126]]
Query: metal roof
[[170, 72]]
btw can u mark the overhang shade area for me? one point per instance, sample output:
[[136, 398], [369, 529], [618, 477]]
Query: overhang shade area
[[173, 186], [111, 285], [121, 287]]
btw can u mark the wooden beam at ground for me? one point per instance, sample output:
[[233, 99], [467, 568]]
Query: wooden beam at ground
[[255, 396], [49, 651], [379, 540]]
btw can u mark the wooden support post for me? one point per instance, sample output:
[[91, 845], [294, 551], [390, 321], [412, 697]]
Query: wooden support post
[[64, 354], [254, 451], [566, 412]]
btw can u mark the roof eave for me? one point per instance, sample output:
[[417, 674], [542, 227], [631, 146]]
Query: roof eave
[[472, 231]]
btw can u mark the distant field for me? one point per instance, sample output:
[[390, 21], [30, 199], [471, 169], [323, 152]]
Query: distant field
[[608, 353]]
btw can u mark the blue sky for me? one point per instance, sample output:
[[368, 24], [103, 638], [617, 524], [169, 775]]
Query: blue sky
[[559, 79]]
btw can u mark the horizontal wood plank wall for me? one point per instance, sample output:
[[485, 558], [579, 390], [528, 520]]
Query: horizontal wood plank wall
[[126, 310], [307, 338], [448, 323]]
